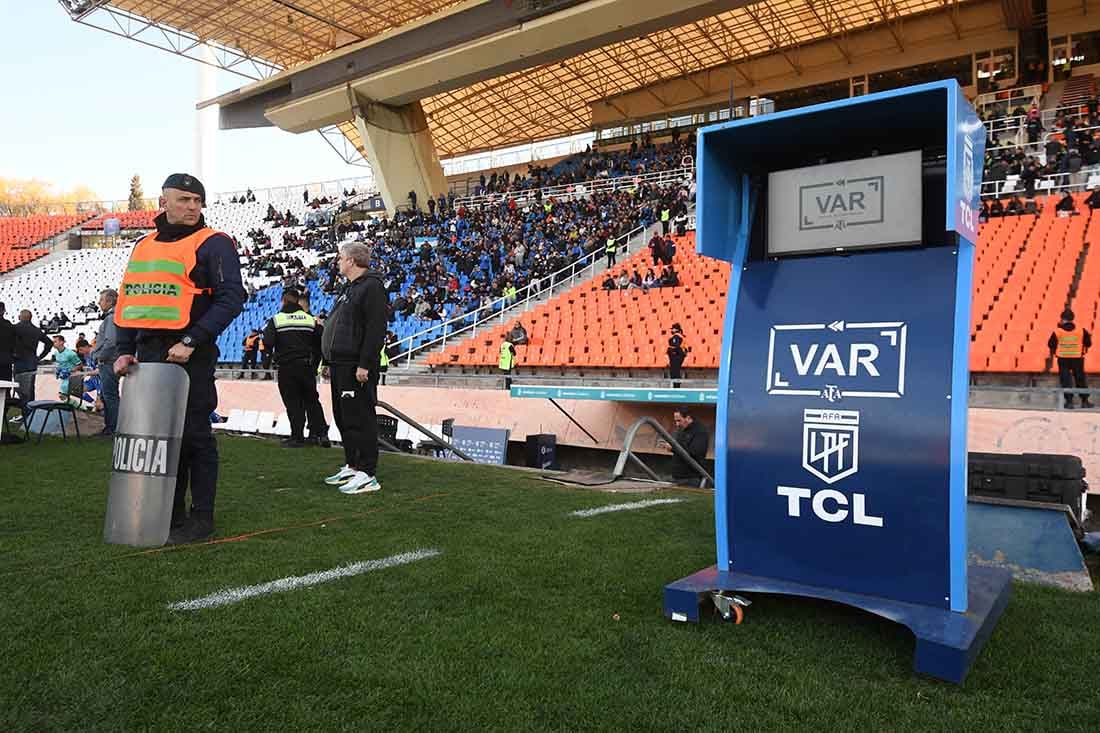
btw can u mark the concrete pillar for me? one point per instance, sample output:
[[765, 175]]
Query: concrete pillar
[[206, 125], [399, 147]]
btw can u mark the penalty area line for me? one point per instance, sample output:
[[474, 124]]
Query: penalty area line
[[629, 506], [236, 595]]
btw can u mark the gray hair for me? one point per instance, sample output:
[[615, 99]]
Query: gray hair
[[357, 252], [110, 294]]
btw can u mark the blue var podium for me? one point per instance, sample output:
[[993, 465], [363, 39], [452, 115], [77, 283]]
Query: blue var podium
[[841, 429]]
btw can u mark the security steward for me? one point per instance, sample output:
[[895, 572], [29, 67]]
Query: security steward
[[677, 351], [1070, 344], [182, 288], [352, 346], [293, 339], [507, 361]]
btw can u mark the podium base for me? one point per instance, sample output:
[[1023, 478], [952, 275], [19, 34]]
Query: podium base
[[947, 642]]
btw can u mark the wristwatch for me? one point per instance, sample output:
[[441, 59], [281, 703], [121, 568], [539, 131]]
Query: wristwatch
[[188, 342]]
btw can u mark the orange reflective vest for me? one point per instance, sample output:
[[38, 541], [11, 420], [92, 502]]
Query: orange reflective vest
[[157, 290], [1069, 345]]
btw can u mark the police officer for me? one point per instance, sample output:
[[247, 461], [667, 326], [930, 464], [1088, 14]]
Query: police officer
[[181, 289], [1070, 344], [677, 352], [352, 346], [293, 339]]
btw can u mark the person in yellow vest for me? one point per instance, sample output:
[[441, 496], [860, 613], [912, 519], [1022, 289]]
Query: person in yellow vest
[[182, 288], [666, 217], [1070, 344], [507, 361], [610, 249], [293, 339]]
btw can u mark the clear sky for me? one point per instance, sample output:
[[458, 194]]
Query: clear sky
[[81, 106]]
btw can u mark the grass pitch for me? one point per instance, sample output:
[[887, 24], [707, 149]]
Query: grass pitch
[[511, 628]]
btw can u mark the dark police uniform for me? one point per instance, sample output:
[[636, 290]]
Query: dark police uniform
[[352, 339], [293, 338], [217, 276]]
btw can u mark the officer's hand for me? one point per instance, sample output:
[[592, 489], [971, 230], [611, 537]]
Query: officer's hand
[[179, 354], [326, 372], [362, 375], [123, 363]]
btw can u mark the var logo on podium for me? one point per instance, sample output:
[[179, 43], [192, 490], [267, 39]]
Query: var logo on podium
[[837, 360]]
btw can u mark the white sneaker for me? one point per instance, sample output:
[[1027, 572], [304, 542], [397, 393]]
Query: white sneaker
[[15, 420], [361, 483], [340, 476]]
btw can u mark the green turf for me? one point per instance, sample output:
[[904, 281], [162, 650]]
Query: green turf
[[510, 629]]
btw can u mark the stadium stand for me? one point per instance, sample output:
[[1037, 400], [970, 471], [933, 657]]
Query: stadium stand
[[619, 329], [1077, 90], [126, 219], [18, 234]]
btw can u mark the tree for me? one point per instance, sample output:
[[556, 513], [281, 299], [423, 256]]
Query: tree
[[137, 202], [24, 197]]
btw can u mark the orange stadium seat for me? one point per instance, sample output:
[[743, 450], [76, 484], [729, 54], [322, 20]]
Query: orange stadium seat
[[18, 234]]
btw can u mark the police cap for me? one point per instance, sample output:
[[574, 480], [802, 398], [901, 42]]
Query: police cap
[[186, 182]]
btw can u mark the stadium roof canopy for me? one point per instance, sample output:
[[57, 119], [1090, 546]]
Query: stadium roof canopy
[[257, 38]]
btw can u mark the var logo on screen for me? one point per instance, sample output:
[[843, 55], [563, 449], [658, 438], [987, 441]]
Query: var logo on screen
[[843, 203], [837, 360]]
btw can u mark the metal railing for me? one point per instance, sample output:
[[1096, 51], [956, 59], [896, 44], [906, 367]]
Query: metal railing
[[627, 454], [498, 309], [584, 188]]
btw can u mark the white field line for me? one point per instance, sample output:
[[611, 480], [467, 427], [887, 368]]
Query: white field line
[[629, 506], [236, 595]]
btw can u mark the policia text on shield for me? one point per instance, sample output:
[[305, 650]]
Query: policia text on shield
[[181, 288]]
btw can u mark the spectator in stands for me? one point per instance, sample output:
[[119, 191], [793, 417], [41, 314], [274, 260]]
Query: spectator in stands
[[681, 222], [997, 208], [250, 197], [518, 334], [1029, 176], [1070, 344], [7, 348], [669, 251], [983, 214], [677, 351], [656, 249], [293, 338], [624, 280], [183, 329], [650, 280], [1066, 204], [352, 344], [1093, 201], [635, 279], [1034, 126], [609, 282], [669, 277], [693, 437], [103, 357], [1015, 206]]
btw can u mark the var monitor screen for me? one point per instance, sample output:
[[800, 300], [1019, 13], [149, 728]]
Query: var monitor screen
[[855, 204]]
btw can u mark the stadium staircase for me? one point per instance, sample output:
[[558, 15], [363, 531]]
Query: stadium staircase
[[1077, 90]]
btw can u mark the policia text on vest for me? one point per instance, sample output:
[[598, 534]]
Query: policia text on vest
[[182, 288], [293, 337]]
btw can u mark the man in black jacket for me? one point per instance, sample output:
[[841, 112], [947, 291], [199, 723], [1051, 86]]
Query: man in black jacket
[[293, 338], [693, 438], [217, 277], [352, 343], [7, 347], [28, 338]]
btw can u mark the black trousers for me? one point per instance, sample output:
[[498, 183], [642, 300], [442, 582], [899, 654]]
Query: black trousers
[[664, 227], [1071, 373], [675, 369], [298, 388], [250, 359], [353, 409], [610, 254], [198, 466]]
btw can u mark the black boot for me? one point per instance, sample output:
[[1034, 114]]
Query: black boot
[[198, 528], [318, 441], [292, 443]]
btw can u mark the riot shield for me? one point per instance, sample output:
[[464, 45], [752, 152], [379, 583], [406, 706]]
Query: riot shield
[[146, 455]]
